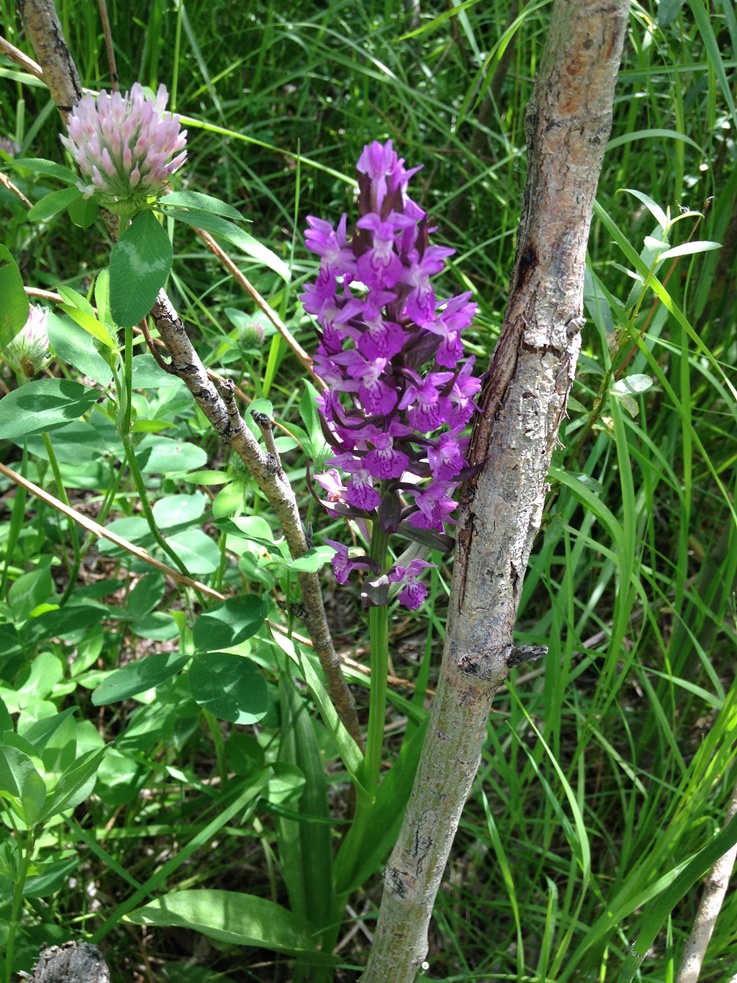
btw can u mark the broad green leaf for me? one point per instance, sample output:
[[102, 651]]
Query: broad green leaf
[[228, 916], [43, 405], [48, 167], [311, 418], [83, 211], [198, 552], [159, 626], [313, 560], [14, 305], [179, 510], [69, 620], [224, 229], [148, 375], [140, 262], [633, 384], [75, 785], [30, 589], [138, 676], [228, 499], [652, 206], [206, 478], [21, 785], [163, 455], [51, 204], [51, 877], [229, 624], [203, 203], [230, 687], [71, 343], [146, 595]]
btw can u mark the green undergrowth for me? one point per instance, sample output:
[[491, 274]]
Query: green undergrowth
[[608, 769]]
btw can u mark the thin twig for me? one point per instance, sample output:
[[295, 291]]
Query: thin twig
[[15, 54], [97, 530], [269, 311], [109, 46]]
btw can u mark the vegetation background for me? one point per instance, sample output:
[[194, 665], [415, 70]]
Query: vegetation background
[[611, 766]]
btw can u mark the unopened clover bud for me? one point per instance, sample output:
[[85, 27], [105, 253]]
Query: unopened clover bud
[[28, 352]]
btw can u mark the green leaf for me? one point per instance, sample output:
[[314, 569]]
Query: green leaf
[[71, 343], [31, 589], [21, 785], [48, 167], [197, 551], [313, 560], [228, 686], [229, 624], [140, 262], [51, 877], [311, 418], [357, 858], [75, 785], [138, 676], [14, 306], [51, 204], [145, 596], [200, 202], [91, 325], [83, 211], [231, 233], [43, 405], [228, 916], [179, 510], [162, 455]]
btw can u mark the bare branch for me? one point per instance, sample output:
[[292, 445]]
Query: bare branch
[[715, 891], [523, 401], [45, 34]]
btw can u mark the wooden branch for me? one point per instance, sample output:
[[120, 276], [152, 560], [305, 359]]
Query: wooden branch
[[44, 30], [45, 34], [523, 401], [710, 904]]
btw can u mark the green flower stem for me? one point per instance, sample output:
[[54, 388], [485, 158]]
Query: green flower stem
[[379, 642], [124, 425], [25, 846], [72, 570]]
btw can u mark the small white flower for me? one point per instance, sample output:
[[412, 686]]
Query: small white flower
[[123, 145]]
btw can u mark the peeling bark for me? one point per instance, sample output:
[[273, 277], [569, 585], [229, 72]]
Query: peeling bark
[[524, 398]]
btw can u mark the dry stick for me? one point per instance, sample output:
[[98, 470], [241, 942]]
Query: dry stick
[[715, 890], [46, 36], [532, 369], [102, 533]]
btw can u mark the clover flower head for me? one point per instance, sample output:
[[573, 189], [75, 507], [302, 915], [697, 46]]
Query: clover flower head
[[10, 147], [28, 352], [399, 390], [126, 147]]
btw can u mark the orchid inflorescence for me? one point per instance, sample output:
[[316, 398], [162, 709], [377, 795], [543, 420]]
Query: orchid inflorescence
[[123, 145], [399, 394]]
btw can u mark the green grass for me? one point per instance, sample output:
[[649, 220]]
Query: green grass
[[608, 769]]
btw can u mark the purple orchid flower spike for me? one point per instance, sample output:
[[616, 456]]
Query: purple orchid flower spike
[[399, 391]]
